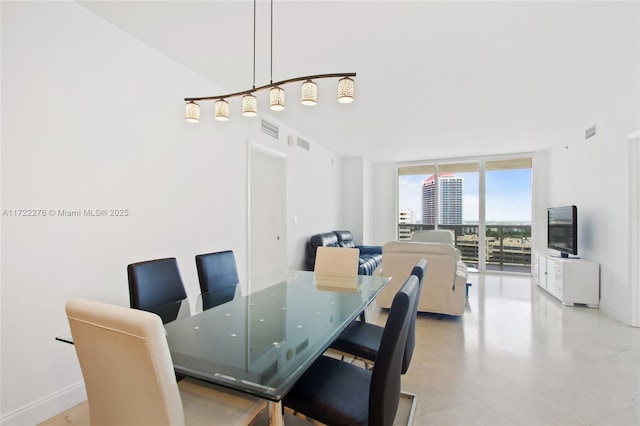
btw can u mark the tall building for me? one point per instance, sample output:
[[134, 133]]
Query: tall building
[[450, 196]]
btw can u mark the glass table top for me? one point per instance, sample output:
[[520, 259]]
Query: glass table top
[[260, 337]]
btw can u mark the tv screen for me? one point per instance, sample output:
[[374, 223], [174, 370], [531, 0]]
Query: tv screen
[[562, 230]]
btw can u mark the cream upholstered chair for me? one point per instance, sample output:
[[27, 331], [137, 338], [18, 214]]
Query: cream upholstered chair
[[129, 377], [444, 285], [444, 236]]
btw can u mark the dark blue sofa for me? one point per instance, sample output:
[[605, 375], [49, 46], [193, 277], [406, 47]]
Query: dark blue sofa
[[370, 256]]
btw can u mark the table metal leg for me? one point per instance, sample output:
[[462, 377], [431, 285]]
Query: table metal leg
[[275, 413]]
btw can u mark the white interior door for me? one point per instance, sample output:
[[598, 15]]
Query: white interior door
[[267, 211]]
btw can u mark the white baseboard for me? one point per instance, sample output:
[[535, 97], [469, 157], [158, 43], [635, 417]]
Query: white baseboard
[[47, 407]]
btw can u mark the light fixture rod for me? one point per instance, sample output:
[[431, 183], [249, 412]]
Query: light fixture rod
[[270, 85]]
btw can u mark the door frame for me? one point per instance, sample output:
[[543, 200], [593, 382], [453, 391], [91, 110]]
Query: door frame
[[251, 147]]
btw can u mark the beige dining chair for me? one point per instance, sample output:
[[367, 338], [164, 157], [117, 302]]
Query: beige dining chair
[[336, 269], [129, 377], [337, 261]]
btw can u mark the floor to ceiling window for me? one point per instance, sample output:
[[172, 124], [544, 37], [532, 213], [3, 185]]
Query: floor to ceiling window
[[486, 203]]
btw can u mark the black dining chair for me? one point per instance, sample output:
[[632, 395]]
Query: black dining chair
[[216, 271], [362, 339], [335, 392], [154, 283]]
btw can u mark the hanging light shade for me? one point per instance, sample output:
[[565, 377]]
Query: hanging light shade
[[249, 105], [309, 93], [222, 110], [345, 90], [192, 112], [276, 98]]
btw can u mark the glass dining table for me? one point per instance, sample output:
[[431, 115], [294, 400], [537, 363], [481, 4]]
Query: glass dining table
[[259, 337]]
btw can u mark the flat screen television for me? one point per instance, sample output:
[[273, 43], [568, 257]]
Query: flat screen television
[[562, 230]]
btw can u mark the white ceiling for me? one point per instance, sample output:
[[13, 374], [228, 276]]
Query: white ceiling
[[435, 79]]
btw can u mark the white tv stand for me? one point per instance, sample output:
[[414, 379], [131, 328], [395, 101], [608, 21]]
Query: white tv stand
[[570, 280]]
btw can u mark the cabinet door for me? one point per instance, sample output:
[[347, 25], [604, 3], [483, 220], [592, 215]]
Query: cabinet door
[[551, 276], [542, 272], [558, 277]]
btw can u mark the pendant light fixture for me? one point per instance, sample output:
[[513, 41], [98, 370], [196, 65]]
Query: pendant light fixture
[[276, 98], [345, 90], [192, 112], [249, 105], [222, 110], [309, 94]]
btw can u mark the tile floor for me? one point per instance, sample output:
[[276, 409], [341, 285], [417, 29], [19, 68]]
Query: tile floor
[[516, 357]]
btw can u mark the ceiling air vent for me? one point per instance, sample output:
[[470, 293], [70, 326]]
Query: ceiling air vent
[[269, 128], [590, 132], [303, 144]]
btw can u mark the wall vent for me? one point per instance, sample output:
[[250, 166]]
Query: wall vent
[[590, 132], [303, 144], [269, 128]]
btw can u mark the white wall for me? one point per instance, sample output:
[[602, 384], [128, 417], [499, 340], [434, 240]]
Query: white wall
[[359, 204], [93, 119], [353, 196], [385, 204]]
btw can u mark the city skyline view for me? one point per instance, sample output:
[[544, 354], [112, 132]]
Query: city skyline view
[[508, 196]]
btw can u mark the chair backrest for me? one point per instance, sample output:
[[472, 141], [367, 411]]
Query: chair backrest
[[154, 283], [384, 394], [126, 364], [337, 261], [417, 271], [444, 236], [217, 270]]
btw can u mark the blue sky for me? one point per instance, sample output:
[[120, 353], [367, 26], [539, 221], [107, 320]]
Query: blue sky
[[508, 195]]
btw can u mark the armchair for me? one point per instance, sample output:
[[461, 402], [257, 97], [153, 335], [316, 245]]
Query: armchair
[[444, 286]]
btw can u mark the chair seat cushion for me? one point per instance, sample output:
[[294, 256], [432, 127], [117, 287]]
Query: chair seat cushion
[[360, 339], [320, 394]]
